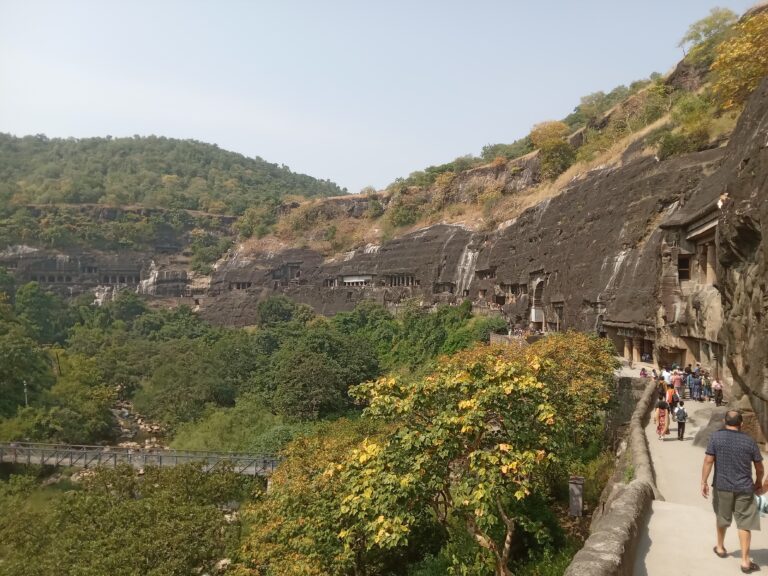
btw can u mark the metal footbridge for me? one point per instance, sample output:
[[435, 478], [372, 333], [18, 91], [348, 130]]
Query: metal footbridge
[[111, 456]]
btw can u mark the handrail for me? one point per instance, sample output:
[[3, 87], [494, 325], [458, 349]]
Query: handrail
[[85, 456], [107, 447]]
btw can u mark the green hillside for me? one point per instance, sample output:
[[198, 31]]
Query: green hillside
[[151, 171]]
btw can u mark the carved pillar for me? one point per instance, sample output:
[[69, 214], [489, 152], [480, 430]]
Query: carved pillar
[[711, 266], [637, 349], [627, 348]]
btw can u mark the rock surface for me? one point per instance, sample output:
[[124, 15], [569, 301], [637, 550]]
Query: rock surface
[[586, 255], [743, 253]]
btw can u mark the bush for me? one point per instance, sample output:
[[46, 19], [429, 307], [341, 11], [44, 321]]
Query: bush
[[402, 215], [674, 143], [556, 158], [549, 562], [555, 152], [518, 148], [596, 472], [206, 249], [375, 209]]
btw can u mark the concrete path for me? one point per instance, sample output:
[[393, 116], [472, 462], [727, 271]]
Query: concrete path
[[680, 534]]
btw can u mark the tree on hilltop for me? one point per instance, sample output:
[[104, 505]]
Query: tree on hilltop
[[704, 35], [554, 150]]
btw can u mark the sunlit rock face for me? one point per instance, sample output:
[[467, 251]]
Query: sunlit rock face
[[587, 259], [743, 253]]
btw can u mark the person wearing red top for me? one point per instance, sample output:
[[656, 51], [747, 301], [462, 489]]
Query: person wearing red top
[[677, 382]]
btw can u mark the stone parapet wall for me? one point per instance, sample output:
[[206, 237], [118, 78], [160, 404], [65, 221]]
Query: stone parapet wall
[[610, 549]]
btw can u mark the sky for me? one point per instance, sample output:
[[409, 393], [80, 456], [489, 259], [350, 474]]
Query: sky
[[358, 92]]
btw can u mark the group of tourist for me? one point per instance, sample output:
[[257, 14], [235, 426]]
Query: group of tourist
[[674, 387], [730, 452]]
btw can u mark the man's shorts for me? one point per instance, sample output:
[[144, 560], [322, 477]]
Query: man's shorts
[[740, 505]]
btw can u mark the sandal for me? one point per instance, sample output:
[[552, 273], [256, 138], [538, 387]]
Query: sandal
[[752, 568], [723, 554]]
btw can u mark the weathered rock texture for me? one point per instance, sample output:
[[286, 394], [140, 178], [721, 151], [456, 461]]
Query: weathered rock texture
[[587, 255], [743, 253], [737, 195]]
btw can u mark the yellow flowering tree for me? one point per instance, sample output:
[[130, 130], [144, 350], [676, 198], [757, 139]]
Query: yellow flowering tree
[[293, 526], [741, 61], [473, 441]]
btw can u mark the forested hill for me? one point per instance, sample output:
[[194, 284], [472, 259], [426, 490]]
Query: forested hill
[[151, 171]]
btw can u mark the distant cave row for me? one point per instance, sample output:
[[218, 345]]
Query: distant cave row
[[362, 280], [114, 279]]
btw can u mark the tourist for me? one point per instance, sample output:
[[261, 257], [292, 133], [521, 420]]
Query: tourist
[[666, 374], [706, 386], [717, 391], [733, 490], [643, 373], [682, 417], [677, 382], [661, 419], [671, 398], [661, 388], [696, 386], [688, 370], [655, 374]]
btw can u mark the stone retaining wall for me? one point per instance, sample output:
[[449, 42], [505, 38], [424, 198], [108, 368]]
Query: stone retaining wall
[[610, 549]]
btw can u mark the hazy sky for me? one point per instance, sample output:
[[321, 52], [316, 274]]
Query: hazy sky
[[360, 92]]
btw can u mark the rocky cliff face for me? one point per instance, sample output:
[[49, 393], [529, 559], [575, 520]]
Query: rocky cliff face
[[743, 253], [587, 255], [666, 258]]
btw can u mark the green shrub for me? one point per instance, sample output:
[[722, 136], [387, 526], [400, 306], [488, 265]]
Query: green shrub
[[556, 158], [674, 143], [330, 233], [375, 209], [402, 215], [206, 249], [596, 472], [518, 148], [549, 562]]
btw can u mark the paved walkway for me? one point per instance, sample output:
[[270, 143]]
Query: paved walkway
[[680, 534]]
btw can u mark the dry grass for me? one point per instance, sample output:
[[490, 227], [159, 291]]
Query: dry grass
[[609, 158], [724, 125], [479, 215], [490, 211]]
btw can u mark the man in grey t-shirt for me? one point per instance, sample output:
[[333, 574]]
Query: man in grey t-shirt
[[733, 453]]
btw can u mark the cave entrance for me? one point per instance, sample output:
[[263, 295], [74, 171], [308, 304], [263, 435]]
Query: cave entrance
[[537, 310], [670, 356]]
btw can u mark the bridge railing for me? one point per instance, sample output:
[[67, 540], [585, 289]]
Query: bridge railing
[[84, 456]]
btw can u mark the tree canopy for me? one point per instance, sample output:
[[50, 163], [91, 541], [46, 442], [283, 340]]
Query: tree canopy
[[704, 35], [151, 171], [741, 61]]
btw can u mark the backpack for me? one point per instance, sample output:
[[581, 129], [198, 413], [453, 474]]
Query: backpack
[[681, 414], [675, 397]]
